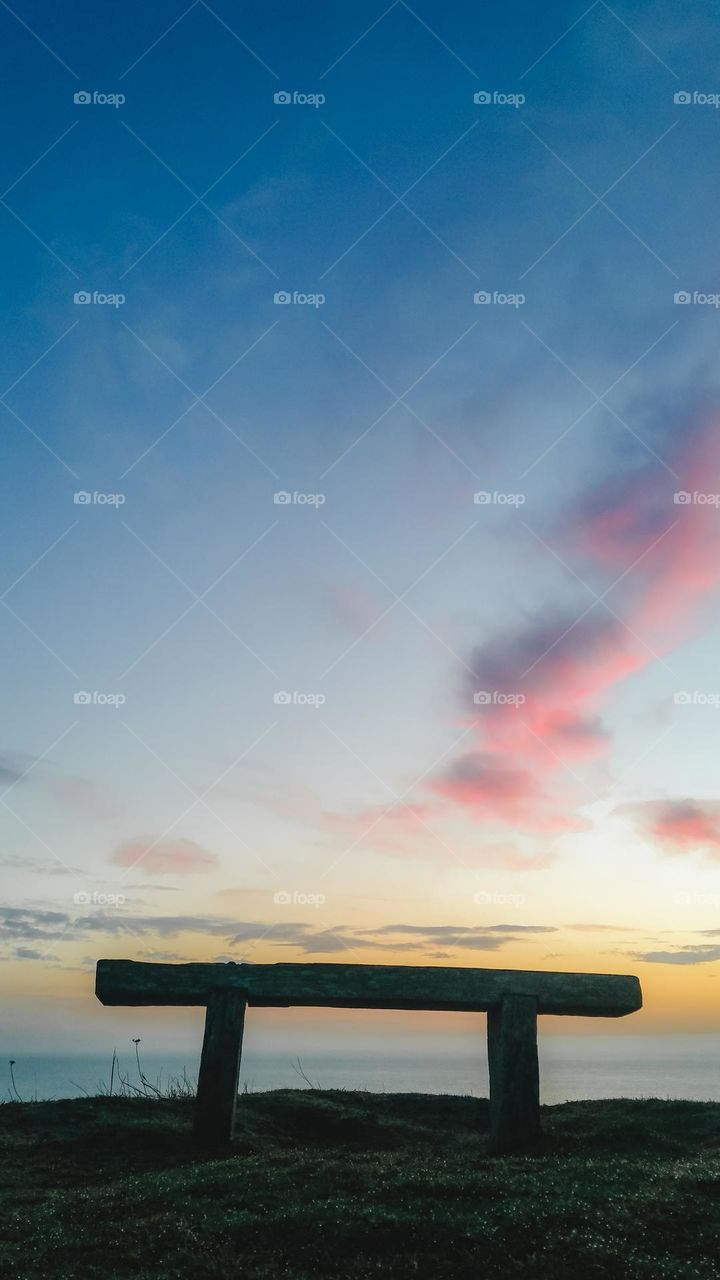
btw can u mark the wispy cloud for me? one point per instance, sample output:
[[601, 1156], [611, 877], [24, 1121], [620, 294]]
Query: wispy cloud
[[23, 925], [36, 866], [166, 857], [543, 683], [701, 953], [29, 953], [12, 768], [83, 795], [679, 826]]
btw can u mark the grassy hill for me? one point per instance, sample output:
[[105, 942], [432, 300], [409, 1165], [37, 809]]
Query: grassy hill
[[345, 1186]]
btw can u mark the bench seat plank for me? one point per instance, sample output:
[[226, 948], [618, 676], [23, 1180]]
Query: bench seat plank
[[367, 986]]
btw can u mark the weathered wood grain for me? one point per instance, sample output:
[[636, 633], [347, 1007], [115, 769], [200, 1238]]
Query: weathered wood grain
[[514, 1075], [220, 1065], [367, 986]]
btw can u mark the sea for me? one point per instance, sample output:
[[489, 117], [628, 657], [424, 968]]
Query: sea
[[571, 1068]]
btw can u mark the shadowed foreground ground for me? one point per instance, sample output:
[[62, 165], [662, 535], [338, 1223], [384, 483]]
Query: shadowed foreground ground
[[349, 1185]]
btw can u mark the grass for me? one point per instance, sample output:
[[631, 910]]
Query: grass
[[344, 1186]]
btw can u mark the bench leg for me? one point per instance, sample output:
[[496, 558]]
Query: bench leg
[[514, 1074], [220, 1066]]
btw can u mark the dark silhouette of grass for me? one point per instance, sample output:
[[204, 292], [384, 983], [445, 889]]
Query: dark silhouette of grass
[[120, 1085], [348, 1186]]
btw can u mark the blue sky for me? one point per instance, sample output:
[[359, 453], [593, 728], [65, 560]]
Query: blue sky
[[382, 587]]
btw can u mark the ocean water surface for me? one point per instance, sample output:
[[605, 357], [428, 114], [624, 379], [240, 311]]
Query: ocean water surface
[[571, 1068]]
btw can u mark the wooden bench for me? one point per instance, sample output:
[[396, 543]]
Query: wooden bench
[[512, 999]]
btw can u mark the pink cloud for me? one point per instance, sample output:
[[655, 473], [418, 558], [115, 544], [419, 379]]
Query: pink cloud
[[537, 691], [166, 857], [673, 545], [419, 830], [494, 790], [681, 826], [544, 684]]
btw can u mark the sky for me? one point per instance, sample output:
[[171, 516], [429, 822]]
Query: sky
[[361, 490]]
